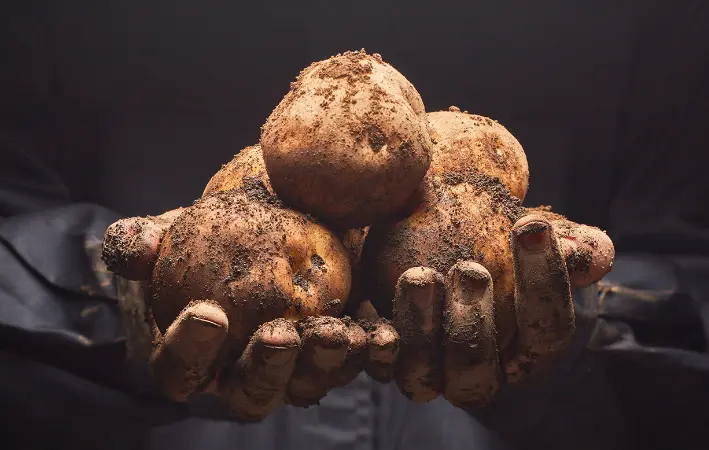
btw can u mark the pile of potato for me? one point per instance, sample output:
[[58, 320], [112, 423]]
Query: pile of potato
[[349, 155]]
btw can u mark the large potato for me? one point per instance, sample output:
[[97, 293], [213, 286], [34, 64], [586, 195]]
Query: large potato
[[463, 210], [459, 218], [240, 247], [349, 143]]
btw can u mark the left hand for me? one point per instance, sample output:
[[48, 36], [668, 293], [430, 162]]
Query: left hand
[[448, 341], [296, 363]]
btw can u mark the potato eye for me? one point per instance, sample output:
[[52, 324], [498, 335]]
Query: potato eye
[[317, 262]]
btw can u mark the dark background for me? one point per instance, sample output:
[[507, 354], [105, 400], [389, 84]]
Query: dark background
[[135, 105]]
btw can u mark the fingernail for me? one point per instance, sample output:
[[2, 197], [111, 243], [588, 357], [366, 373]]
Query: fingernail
[[470, 281], [278, 356], [202, 330], [533, 236]]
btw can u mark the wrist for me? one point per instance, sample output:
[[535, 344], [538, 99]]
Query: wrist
[[131, 303]]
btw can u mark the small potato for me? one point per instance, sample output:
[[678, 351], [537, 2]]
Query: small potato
[[258, 260], [246, 167], [349, 143], [465, 141]]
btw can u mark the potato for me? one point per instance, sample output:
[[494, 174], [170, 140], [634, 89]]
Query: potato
[[244, 250], [247, 170], [458, 218], [349, 143], [247, 166], [465, 141], [462, 211]]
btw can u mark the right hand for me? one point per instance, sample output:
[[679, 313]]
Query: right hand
[[284, 362], [449, 342]]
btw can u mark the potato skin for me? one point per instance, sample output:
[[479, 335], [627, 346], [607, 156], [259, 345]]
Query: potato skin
[[349, 143], [246, 165], [256, 259], [465, 141]]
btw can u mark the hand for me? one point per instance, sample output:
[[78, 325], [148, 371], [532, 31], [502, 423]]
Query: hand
[[284, 362], [448, 336]]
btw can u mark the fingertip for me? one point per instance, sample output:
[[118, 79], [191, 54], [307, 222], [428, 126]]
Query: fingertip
[[356, 335], [604, 254], [419, 277], [469, 281], [201, 324], [327, 340], [419, 288], [532, 233], [589, 255], [206, 321], [279, 333], [383, 339], [382, 352], [130, 247]]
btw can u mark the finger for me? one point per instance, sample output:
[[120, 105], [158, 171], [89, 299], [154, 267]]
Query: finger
[[588, 253], [184, 358], [130, 246], [382, 350], [257, 385], [356, 352], [545, 313], [471, 366], [325, 344], [382, 343], [418, 304]]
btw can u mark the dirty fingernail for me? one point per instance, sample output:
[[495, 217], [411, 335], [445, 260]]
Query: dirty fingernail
[[202, 330], [533, 236], [278, 356]]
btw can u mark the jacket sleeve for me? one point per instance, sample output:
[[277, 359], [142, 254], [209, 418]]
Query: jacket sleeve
[[63, 354], [637, 373]]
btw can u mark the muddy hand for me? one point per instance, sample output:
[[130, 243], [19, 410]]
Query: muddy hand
[[284, 362], [448, 338]]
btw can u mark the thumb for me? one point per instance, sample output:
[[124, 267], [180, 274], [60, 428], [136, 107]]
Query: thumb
[[130, 245]]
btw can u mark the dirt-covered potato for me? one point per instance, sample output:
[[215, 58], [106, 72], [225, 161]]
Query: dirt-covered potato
[[464, 210], [257, 259], [460, 217], [465, 141], [246, 167], [248, 171], [350, 142]]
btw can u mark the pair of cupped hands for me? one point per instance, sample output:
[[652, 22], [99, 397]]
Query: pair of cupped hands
[[427, 348]]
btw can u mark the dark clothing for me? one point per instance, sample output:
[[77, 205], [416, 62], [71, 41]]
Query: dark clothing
[[134, 107]]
